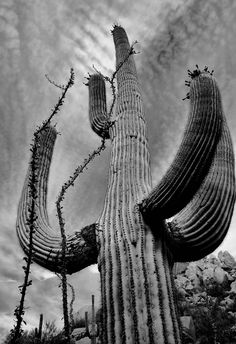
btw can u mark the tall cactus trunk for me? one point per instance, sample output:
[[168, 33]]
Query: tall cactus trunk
[[136, 280], [136, 283]]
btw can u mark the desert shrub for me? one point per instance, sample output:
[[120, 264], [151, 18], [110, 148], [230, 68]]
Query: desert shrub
[[50, 335]]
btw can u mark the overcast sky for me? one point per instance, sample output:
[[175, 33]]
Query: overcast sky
[[51, 36]]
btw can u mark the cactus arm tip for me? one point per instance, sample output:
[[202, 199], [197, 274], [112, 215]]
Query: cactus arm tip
[[98, 116]]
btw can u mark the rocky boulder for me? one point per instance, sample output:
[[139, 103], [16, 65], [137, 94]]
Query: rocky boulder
[[227, 260]]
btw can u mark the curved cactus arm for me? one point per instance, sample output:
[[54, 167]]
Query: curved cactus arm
[[98, 116], [202, 225], [81, 246], [195, 153]]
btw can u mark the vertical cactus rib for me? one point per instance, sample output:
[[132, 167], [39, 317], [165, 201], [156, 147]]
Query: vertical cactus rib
[[112, 252], [171, 296], [202, 225], [167, 309], [194, 156], [46, 241], [98, 116]]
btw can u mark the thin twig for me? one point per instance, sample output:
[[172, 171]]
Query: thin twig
[[62, 87]]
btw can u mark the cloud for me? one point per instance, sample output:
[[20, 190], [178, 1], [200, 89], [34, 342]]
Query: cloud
[[40, 273], [94, 269]]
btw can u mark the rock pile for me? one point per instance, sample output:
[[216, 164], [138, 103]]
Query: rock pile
[[206, 290]]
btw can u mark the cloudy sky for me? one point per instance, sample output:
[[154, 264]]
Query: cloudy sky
[[51, 36]]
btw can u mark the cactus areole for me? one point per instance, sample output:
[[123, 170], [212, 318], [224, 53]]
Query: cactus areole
[[133, 241]]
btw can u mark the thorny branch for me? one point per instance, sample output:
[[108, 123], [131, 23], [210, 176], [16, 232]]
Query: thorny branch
[[32, 217], [62, 87], [72, 299], [60, 102], [32, 211], [71, 304], [59, 207]]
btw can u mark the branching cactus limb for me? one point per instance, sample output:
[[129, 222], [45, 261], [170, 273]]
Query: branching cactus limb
[[202, 225], [81, 246], [98, 115], [131, 241], [195, 153]]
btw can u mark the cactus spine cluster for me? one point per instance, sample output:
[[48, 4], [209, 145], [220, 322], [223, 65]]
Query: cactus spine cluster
[[131, 241]]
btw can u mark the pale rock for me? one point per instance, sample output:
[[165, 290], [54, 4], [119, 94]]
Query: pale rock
[[208, 274], [201, 264], [76, 333], [203, 294], [232, 314], [227, 260], [181, 281], [189, 286], [233, 287], [193, 273], [220, 275], [233, 274], [227, 303], [196, 298], [213, 260], [182, 292]]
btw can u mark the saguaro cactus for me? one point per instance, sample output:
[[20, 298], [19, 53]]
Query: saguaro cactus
[[132, 241]]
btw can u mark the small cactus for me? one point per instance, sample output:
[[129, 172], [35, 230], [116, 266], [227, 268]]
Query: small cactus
[[38, 331], [92, 330], [133, 241]]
